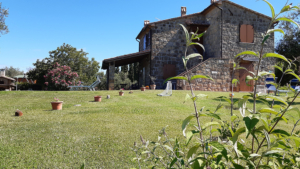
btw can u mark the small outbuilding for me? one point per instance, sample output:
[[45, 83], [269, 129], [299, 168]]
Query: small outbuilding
[[6, 83]]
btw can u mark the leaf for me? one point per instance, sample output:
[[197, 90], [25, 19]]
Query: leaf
[[250, 123], [249, 78], [233, 117], [266, 73], [173, 162], [192, 151], [176, 77], [210, 124], [242, 106], [201, 95], [187, 35], [279, 131], [294, 109], [237, 133], [273, 152], [246, 53], [265, 38], [268, 110], [272, 9], [184, 62], [288, 70], [279, 68], [296, 76], [211, 115], [235, 81], [267, 55], [193, 55], [237, 166], [196, 43], [275, 30], [200, 35], [276, 99], [285, 8], [187, 96], [267, 138], [185, 123], [287, 20], [224, 153], [201, 77], [218, 146]]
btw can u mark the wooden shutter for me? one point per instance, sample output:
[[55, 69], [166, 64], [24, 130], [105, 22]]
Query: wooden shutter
[[243, 33], [250, 34], [169, 71]]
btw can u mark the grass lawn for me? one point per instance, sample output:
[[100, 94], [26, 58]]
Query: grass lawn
[[100, 134]]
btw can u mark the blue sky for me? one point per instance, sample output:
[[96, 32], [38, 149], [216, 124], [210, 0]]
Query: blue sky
[[104, 29]]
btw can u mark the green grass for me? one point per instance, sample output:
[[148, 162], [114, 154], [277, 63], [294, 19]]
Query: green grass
[[100, 134]]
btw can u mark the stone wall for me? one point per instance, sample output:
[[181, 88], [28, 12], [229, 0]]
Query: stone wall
[[218, 69], [231, 30], [168, 46]]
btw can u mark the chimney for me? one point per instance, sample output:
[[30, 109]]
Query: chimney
[[213, 1], [183, 11], [146, 22], [2, 72]]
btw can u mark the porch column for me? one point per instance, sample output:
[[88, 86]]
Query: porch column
[[110, 76]]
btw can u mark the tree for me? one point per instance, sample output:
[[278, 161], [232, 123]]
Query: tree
[[124, 68], [3, 15], [11, 71], [77, 60], [41, 69], [69, 56], [131, 72], [289, 45], [60, 78]]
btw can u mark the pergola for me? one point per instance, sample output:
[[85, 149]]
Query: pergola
[[110, 64]]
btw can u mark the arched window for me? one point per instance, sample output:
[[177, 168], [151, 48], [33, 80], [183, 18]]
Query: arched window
[[247, 34]]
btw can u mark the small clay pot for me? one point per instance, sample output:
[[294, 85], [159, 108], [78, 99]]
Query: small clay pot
[[97, 98], [18, 113], [56, 105], [121, 93], [143, 88], [153, 87]]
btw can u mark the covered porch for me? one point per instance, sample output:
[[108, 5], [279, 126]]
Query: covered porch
[[143, 58]]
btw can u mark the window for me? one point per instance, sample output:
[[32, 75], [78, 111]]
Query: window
[[1, 82], [169, 71], [247, 34], [147, 41]]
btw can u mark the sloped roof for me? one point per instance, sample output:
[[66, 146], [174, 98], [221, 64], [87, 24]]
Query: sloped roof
[[125, 59], [204, 12], [5, 77]]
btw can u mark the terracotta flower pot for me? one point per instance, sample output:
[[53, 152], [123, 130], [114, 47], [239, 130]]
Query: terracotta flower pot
[[56, 105], [153, 87], [121, 93], [18, 113], [97, 98], [143, 88]]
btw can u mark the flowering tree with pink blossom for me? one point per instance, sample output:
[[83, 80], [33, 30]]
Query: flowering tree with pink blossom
[[60, 78]]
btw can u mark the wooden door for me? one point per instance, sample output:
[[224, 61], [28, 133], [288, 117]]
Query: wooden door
[[242, 77]]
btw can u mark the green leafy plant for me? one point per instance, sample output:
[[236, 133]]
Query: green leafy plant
[[254, 142]]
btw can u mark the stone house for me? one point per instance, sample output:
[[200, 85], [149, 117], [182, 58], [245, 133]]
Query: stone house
[[230, 29], [6, 83]]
